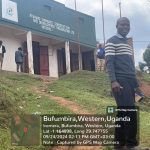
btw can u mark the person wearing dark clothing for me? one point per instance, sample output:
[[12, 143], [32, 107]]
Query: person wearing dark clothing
[[100, 58], [19, 59], [2, 51], [121, 70]]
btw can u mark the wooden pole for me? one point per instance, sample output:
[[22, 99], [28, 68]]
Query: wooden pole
[[103, 23]]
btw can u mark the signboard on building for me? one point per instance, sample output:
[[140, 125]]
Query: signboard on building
[[51, 18]]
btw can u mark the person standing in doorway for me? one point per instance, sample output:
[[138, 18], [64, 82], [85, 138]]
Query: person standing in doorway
[[121, 70], [2, 51], [19, 55]]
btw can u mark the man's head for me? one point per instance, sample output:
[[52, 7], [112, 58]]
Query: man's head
[[123, 26], [1, 42], [100, 46], [20, 49]]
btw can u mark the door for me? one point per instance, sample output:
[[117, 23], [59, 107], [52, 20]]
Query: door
[[44, 60], [74, 62], [36, 57], [88, 62], [61, 57]]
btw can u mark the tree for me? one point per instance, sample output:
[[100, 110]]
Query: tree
[[142, 65], [146, 56]]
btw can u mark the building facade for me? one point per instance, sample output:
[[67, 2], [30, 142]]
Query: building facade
[[56, 40]]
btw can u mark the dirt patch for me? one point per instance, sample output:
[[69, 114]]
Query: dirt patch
[[69, 104], [74, 108], [145, 87]]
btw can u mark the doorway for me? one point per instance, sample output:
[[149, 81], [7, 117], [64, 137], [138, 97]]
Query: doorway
[[61, 57], [44, 61], [88, 62], [40, 59], [74, 61]]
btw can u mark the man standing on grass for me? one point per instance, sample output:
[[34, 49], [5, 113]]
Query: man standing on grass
[[19, 55], [121, 70]]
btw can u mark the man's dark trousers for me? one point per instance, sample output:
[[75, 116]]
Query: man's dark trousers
[[127, 134]]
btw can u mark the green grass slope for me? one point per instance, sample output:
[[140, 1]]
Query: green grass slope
[[17, 96], [91, 90]]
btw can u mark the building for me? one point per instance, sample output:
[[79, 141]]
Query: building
[[50, 34]]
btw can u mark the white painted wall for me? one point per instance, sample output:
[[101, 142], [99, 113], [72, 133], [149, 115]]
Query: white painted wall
[[67, 51], [30, 52], [11, 44]]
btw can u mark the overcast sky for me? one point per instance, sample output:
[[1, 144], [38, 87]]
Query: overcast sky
[[138, 11]]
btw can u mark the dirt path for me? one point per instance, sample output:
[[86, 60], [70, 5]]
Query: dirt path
[[74, 107], [145, 87], [77, 109], [69, 104]]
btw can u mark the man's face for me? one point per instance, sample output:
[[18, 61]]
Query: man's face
[[123, 27]]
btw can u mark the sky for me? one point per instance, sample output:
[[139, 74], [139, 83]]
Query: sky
[[138, 12]]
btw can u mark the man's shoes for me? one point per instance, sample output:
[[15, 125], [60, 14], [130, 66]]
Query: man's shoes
[[137, 148]]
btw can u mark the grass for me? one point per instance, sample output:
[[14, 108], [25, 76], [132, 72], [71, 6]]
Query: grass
[[16, 91], [91, 90], [19, 88]]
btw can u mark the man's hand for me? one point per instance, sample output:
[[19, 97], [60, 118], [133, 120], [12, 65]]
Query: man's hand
[[116, 86]]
